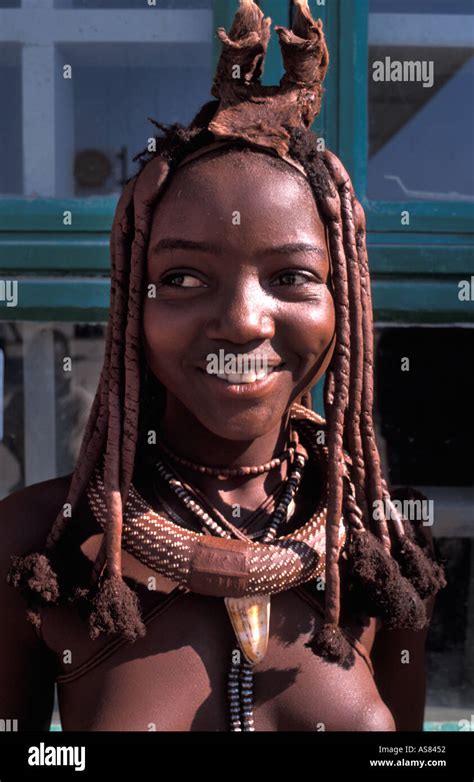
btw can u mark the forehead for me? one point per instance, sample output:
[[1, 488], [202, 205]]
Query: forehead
[[241, 193]]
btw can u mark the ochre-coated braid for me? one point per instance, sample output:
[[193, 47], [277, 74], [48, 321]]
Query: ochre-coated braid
[[362, 295]]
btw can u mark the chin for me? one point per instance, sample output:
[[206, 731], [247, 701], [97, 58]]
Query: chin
[[241, 425]]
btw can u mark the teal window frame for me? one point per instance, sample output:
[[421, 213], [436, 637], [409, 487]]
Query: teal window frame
[[415, 269], [438, 216], [63, 270]]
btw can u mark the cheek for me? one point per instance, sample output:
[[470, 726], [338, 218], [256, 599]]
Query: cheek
[[316, 326], [163, 336]]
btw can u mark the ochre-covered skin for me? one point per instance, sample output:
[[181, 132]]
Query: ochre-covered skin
[[174, 677]]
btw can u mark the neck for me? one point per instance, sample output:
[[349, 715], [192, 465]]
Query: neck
[[187, 437]]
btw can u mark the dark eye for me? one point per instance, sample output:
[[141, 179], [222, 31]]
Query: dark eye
[[182, 280], [292, 278]]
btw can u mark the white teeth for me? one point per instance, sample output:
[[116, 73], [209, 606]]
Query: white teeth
[[245, 377]]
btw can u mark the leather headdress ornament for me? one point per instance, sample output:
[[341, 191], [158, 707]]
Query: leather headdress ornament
[[264, 116]]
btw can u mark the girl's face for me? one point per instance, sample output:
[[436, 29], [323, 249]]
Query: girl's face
[[238, 267]]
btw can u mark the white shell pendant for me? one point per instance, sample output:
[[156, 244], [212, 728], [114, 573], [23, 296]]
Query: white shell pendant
[[250, 617]]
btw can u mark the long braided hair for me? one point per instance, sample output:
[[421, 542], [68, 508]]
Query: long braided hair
[[388, 563]]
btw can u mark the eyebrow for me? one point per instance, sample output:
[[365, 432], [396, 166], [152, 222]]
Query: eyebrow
[[212, 249], [292, 247]]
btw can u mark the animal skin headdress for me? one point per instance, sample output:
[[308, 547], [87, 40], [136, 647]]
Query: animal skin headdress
[[391, 566], [265, 115]]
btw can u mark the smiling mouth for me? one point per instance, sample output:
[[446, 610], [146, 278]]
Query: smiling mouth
[[244, 378]]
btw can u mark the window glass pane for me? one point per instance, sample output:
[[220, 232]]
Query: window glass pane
[[10, 119], [50, 375], [138, 4], [80, 86], [448, 649], [116, 87], [421, 90], [422, 402], [424, 386]]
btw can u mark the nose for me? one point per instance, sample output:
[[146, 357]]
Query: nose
[[241, 314]]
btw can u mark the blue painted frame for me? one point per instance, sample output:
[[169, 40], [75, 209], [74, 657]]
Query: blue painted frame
[[32, 234], [441, 217], [91, 214], [415, 270]]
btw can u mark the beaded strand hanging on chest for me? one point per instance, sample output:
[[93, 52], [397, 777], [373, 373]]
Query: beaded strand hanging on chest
[[229, 563], [249, 616]]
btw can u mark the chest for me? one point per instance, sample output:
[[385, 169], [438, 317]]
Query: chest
[[175, 677]]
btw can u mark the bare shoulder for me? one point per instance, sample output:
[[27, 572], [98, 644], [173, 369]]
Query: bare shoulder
[[26, 516], [27, 666]]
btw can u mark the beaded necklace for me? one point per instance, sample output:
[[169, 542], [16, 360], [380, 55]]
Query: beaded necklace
[[227, 563], [250, 617]]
